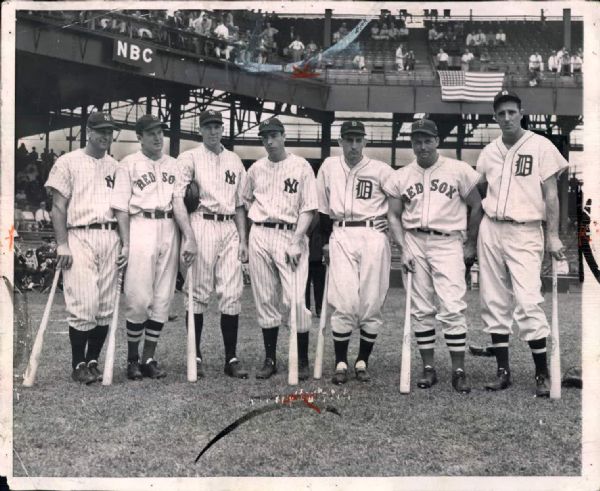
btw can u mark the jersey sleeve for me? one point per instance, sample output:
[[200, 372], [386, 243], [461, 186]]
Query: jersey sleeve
[[239, 198], [184, 174], [481, 167], [248, 189], [551, 161], [121, 194], [323, 189], [309, 200], [60, 178], [467, 179], [392, 187]]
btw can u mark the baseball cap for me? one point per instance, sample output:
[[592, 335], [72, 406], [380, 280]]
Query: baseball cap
[[352, 128], [506, 95], [210, 116], [424, 126], [147, 122], [272, 124], [98, 120]]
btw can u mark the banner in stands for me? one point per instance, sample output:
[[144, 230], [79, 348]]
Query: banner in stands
[[133, 53], [470, 86]]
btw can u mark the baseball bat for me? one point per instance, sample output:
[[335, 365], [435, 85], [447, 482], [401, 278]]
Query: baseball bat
[[192, 369], [555, 375], [293, 345], [321, 336], [109, 362], [406, 352], [34, 359]]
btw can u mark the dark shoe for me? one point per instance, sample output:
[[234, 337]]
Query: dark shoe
[[199, 369], [151, 369], [81, 373], [341, 374], [233, 369], [502, 380], [303, 370], [542, 385], [428, 379], [573, 378], [459, 382], [479, 351], [360, 370], [172, 317], [133, 370], [268, 369], [94, 370]]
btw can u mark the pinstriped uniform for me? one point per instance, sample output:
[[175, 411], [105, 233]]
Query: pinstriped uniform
[[360, 257], [89, 284], [510, 253], [220, 178], [146, 185], [277, 192]]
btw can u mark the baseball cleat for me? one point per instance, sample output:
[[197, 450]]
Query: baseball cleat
[[81, 373], [479, 351], [94, 370], [428, 378], [542, 385], [360, 370], [233, 369], [151, 369], [303, 370], [502, 380], [459, 381], [268, 369], [572, 378], [199, 369], [133, 370], [341, 374]]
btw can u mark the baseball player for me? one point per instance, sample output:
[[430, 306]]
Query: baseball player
[[214, 235], [81, 183], [281, 197], [142, 203], [519, 170], [351, 195], [428, 217]]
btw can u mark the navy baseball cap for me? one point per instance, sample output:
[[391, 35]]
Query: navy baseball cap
[[506, 95], [352, 128], [210, 116], [272, 124], [98, 120], [424, 126], [147, 122]]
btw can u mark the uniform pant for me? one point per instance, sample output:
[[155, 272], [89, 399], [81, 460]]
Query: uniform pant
[[510, 260], [272, 277], [316, 277], [439, 275], [359, 277], [90, 282], [151, 269]]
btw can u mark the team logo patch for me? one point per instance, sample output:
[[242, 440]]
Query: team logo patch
[[290, 185], [229, 177], [364, 189], [110, 181], [524, 165]]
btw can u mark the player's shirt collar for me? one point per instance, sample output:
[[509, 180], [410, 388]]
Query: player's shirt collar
[[440, 161], [209, 151], [363, 162]]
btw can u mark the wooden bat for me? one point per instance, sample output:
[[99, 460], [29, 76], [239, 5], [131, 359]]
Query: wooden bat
[[555, 375], [34, 359], [406, 338], [192, 369], [109, 362], [293, 345], [321, 336]]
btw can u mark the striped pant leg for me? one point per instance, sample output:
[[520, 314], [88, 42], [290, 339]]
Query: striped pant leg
[[203, 267], [107, 275], [228, 271], [165, 274]]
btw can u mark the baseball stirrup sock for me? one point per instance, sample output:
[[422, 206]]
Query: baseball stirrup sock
[[456, 342], [78, 341], [366, 345], [302, 346], [229, 329], [340, 345], [270, 340], [96, 339], [153, 330], [500, 346], [425, 339], [198, 322], [134, 336], [538, 351]]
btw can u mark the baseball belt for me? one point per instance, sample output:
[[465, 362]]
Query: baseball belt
[[432, 232], [280, 226], [354, 223], [216, 217], [505, 220], [98, 226], [157, 214]]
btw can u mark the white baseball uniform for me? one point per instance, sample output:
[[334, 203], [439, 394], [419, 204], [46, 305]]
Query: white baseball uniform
[[511, 241], [359, 256], [434, 219], [89, 284], [144, 189], [277, 193], [220, 178]]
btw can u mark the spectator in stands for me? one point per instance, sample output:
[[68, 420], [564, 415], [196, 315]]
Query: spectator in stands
[[480, 39], [500, 37], [565, 63], [409, 61], [42, 217], [297, 49], [33, 155], [400, 53], [359, 61], [470, 41], [196, 22], [490, 39], [553, 62], [465, 60], [243, 53], [205, 26], [394, 33], [384, 32], [576, 63], [442, 59], [484, 60], [22, 153], [343, 30], [311, 49], [450, 34], [433, 34], [375, 31], [222, 34], [535, 69]]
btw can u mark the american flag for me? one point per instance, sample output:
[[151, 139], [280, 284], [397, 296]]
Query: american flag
[[470, 86]]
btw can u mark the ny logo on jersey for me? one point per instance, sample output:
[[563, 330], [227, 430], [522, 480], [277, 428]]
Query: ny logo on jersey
[[291, 185], [229, 177], [524, 165], [110, 181], [364, 189]]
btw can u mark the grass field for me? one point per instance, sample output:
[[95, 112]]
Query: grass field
[[157, 428]]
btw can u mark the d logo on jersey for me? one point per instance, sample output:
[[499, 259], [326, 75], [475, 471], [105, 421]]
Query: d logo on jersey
[[364, 189], [110, 181], [524, 165], [291, 185], [229, 177]]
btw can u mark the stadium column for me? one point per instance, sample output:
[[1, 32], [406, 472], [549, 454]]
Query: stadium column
[[327, 29], [460, 139], [231, 124], [83, 126], [567, 29], [175, 100]]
